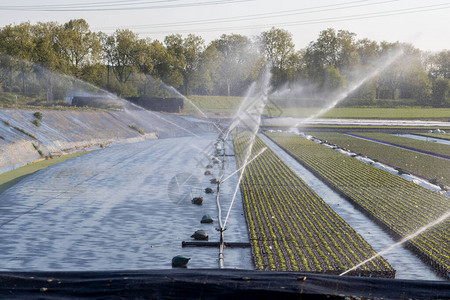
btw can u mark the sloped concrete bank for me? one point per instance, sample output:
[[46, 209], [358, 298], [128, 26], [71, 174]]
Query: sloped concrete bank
[[22, 141]]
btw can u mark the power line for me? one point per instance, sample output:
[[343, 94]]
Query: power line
[[78, 5], [314, 21], [277, 14], [120, 7]]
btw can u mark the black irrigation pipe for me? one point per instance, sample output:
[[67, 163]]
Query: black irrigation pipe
[[400, 146], [211, 284]]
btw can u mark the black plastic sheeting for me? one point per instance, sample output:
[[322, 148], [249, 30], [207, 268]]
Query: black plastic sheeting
[[211, 284]]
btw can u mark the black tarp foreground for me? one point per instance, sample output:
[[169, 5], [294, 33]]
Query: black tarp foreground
[[211, 284]]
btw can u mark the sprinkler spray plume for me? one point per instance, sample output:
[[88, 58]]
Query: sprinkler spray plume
[[402, 241], [307, 94]]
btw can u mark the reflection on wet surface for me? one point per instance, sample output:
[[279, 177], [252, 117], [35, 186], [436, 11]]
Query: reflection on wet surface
[[425, 138], [111, 210]]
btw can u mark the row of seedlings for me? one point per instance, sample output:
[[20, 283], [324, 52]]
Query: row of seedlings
[[409, 143], [400, 206], [290, 227], [434, 169]]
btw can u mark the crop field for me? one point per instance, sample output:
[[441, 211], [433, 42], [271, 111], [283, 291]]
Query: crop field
[[227, 105], [432, 168], [400, 206], [414, 113], [432, 148], [291, 228]]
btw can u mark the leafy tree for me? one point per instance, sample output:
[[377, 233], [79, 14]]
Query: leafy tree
[[368, 51], [390, 80], [331, 49], [121, 53], [333, 79], [278, 48], [239, 58], [187, 53], [16, 42], [79, 45], [440, 92], [94, 73], [47, 57], [439, 64], [416, 84], [207, 73], [347, 54], [193, 48], [46, 52], [163, 65], [406, 77]]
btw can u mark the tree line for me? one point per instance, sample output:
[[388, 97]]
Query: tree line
[[130, 66]]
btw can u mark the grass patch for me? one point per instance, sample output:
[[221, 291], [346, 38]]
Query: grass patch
[[36, 122], [224, 105], [25, 132], [212, 105], [134, 127], [37, 119], [38, 115], [411, 113], [10, 178]]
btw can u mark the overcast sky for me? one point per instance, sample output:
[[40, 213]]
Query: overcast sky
[[425, 24]]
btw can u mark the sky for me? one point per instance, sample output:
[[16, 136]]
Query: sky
[[424, 24]]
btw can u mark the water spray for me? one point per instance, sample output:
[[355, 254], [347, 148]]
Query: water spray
[[241, 168], [402, 241], [171, 88], [385, 62], [240, 177], [257, 107]]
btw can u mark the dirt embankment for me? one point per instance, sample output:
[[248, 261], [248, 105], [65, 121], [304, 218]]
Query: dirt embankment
[[23, 139]]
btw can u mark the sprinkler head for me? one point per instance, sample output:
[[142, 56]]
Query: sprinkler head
[[200, 235], [180, 261], [207, 219], [197, 200]]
